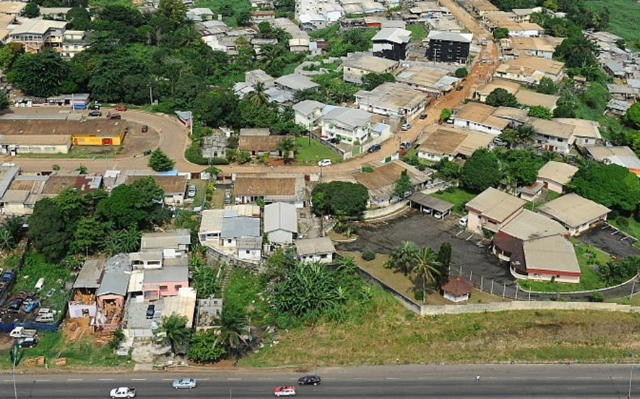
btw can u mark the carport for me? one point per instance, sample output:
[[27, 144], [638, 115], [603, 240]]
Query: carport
[[428, 204]]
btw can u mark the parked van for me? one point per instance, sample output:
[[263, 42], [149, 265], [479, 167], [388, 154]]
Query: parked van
[[39, 284]]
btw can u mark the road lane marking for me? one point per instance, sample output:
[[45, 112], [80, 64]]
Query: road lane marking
[[138, 379], [392, 378], [43, 380], [234, 379], [74, 379]]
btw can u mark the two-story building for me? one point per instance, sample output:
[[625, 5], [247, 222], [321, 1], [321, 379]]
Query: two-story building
[[308, 113], [348, 124], [38, 34], [392, 99], [492, 209], [553, 136]]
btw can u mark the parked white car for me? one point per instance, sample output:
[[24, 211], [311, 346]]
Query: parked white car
[[324, 162], [463, 221], [123, 392]]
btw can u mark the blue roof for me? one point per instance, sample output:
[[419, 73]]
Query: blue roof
[[172, 172]]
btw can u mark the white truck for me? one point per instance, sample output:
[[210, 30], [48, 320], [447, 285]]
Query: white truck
[[123, 392], [21, 332]]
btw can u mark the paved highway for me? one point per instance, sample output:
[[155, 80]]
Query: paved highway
[[506, 381]]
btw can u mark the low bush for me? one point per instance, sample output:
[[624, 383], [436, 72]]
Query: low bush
[[368, 255]]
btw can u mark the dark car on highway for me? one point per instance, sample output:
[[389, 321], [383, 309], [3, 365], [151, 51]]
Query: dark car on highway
[[114, 116], [95, 113], [374, 148], [309, 380], [94, 107]]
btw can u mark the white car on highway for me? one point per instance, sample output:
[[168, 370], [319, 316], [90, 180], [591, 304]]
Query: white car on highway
[[286, 390], [185, 383], [123, 392]]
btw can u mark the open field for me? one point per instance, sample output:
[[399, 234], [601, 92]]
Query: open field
[[388, 333], [310, 151], [457, 196], [622, 13]]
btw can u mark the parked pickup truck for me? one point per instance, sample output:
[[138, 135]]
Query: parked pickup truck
[[45, 315], [21, 332], [123, 392]]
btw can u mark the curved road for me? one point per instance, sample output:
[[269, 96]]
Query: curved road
[[506, 381], [174, 140]]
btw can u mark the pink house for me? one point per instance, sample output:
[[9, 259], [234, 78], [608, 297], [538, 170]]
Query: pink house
[[164, 282]]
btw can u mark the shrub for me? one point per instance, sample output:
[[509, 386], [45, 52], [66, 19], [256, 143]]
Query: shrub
[[418, 295], [367, 169], [368, 255], [596, 297], [623, 222]]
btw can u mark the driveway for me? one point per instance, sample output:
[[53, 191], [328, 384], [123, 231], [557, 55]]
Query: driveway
[[611, 241], [425, 230]]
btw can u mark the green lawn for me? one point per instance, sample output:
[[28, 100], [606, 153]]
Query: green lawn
[[310, 151], [589, 279], [623, 12], [216, 5], [418, 32], [457, 196]]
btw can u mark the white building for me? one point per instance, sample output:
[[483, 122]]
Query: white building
[[348, 124]]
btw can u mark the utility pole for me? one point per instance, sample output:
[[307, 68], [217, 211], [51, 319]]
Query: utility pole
[[151, 94]]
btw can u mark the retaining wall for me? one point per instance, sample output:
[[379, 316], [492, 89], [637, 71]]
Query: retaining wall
[[427, 310]]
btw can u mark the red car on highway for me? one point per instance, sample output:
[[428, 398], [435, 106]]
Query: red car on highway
[[121, 108]]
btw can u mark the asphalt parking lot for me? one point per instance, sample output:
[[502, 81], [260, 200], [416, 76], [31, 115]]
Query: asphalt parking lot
[[425, 230], [610, 240]]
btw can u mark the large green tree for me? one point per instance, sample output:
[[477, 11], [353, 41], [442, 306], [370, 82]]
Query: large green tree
[[547, 86], [444, 260], [48, 231], [501, 98], [403, 257], [426, 268], [577, 51], [203, 348], [39, 74], [632, 116], [403, 185], [610, 185], [231, 337], [372, 80], [480, 171], [338, 197], [538, 111], [136, 204], [160, 162]]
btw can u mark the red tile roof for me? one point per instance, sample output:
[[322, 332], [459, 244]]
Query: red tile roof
[[458, 286]]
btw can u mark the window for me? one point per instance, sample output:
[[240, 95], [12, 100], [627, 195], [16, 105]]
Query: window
[[247, 252], [163, 288], [178, 286]]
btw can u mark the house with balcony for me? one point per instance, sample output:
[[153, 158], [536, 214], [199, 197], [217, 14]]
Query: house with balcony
[[585, 132], [358, 65], [575, 213], [530, 70], [552, 135], [348, 124], [491, 210], [38, 34], [308, 113], [392, 99]]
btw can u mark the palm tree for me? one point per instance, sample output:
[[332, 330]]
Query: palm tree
[[15, 226], [426, 267], [258, 96], [269, 53], [403, 257], [286, 146], [175, 327], [5, 239], [232, 329]]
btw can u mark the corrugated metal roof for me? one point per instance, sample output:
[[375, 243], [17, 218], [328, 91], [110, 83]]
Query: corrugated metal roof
[[280, 216]]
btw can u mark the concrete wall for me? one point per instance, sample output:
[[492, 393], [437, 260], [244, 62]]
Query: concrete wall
[[427, 310], [386, 211]]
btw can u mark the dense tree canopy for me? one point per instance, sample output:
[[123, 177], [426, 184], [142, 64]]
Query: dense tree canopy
[[160, 162], [480, 171], [610, 185], [372, 80], [339, 197], [501, 98], [47, 230], [136, 204], [40, 74], [632, 115]]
